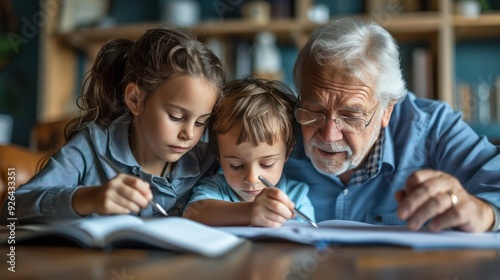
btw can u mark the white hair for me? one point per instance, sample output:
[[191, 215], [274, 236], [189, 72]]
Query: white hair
[[361, 50]]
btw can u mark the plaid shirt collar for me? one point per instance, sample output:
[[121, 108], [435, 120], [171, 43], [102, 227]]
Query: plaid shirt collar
[[372, 165]]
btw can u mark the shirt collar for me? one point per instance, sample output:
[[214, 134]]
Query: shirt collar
[[118, 141], [388, 159], [381, 158], [371, 166], [187, 166]]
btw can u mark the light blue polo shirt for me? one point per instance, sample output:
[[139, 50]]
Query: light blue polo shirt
[[216, 187]]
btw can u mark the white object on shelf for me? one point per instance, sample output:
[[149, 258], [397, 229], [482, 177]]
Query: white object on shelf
[[180, 12], [468, 8], [319, 13], [267, 56], [76, 13]]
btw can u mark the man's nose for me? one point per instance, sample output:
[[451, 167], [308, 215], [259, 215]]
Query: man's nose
[[330, 132]]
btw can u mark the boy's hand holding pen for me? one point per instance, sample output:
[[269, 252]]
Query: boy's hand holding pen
[[295, 210], [270, 208], [121, 195]]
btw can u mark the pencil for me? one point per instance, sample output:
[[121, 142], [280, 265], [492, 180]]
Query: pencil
[[295, 210]]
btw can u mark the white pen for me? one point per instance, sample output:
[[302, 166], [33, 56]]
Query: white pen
[[295, 210], [117, 170]]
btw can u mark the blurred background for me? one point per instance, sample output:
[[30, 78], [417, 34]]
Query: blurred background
[[450, 50]]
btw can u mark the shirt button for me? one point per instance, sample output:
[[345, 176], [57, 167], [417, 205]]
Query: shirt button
[[345, 191], [135, 170]]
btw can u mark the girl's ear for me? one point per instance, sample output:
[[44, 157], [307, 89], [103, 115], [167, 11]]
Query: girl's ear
[[134, 98]]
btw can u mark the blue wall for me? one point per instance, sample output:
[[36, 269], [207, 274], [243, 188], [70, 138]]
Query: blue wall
[[18, 81], [477, 61]]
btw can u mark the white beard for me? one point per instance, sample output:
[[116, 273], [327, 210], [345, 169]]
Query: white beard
[[336, 167]]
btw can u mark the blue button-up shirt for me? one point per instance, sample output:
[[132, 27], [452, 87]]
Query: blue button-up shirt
[[421, 134], [49, 194]]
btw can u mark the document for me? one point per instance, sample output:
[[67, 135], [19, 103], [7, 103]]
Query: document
[[107, 232], [356, 233]]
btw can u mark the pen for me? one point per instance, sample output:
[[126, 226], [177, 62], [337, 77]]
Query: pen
[[153, 203], [295, 210]]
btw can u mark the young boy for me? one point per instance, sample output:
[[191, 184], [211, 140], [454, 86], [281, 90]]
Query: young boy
[[252, 135]]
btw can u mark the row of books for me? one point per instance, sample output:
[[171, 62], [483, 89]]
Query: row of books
[[480, 102]]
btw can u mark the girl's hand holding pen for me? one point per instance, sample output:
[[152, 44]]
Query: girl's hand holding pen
[[271, 208], [121, 195]]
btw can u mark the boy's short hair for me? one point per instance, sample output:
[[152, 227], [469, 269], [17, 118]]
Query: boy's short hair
[[263, 109]]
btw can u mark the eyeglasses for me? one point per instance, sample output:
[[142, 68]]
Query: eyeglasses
[[343, 123]]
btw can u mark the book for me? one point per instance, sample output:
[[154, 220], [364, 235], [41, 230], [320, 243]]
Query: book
[[357, 233], [107, 232], [422, 83], [496, 94], [243, 59], [466, 101], [483, 100]]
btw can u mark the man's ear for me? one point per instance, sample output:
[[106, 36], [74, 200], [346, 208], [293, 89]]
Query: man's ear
[[387, 115], [134, 98]]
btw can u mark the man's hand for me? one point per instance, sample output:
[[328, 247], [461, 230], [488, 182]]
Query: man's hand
[[439, 198], [271, 208]]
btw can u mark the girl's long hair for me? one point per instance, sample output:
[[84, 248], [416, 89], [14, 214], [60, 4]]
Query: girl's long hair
[[159, 55]]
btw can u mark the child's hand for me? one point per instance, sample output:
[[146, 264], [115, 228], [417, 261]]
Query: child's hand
[[121, 195], [271, 208]]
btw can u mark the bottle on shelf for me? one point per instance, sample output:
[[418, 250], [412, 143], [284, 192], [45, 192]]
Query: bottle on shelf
[[267, 57]]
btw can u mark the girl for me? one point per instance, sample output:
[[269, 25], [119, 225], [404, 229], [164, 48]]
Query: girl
[[144, 108], [252, 136]]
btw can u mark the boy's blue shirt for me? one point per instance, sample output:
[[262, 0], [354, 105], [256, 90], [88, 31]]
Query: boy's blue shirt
[[421, 134], [216, 187], [49, 194]]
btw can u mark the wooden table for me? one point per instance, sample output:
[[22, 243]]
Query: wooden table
[[253, 260]]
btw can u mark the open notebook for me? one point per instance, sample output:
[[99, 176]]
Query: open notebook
[[170, 233], [356, 233]]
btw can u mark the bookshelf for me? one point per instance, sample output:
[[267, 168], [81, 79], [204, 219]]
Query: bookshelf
[[439, 28]]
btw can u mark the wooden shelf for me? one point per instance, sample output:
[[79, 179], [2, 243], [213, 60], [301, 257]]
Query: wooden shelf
[[484, 26], [483, 20], [404, 27], [400, 23], [421, 22], [440, 28], [86, 38], [242, 27], [408, 24]]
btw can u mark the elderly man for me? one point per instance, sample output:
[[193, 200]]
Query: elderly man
[[372, 152]]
